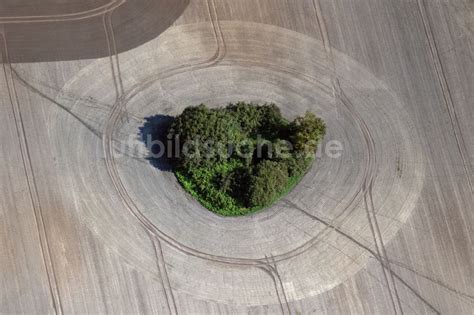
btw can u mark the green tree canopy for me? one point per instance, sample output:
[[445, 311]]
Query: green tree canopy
[[264, 160], [199, 127], [269, 180], [306, 132]]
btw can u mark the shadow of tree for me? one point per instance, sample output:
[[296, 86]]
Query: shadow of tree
[[153, 134]]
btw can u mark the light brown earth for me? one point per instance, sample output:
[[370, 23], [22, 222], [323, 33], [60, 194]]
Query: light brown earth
[[88, 226]]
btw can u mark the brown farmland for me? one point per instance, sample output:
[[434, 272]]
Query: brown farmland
[[89, 226]]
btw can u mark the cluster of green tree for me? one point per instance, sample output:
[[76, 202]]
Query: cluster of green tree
[[242, 157]]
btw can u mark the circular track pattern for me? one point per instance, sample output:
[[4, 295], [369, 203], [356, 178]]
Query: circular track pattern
[[309, 242]]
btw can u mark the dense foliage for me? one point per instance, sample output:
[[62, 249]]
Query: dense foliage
[[243, 157]]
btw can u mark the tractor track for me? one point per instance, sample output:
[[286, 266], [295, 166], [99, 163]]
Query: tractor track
[[274, 275], [30, 179], [370, 211], [154, 233], [372, 252], [447, 95], [354, 201], [134, 90], [109, 159], [109, 7], [110, 134], [165, 281], [119, 108], [368, 184], [216, 58]]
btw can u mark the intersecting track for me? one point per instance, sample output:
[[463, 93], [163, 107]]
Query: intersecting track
[[30, 177], [448, 99], [10, 75], [355, 205], [365, 192], [114, 119], [108, 152], [381, 255], [168, 291], [119, 109]]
